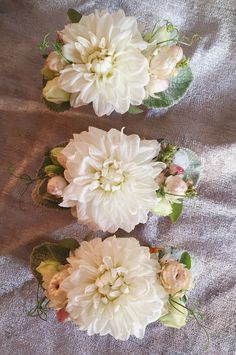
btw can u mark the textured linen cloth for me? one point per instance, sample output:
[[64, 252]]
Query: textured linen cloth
[[204, 121]]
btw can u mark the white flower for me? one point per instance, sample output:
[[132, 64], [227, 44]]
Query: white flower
[[113, 288], [53, 93], [108, 67], [56, 185], [55, 62], [162, 63], [111, 178], [176, 187]]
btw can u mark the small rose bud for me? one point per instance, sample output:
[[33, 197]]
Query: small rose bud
[[162, 63], [56, 295], [175, 185], [160, 179], [62, 315], [55, 62], [176, 169], [56, 186], [175, 277]]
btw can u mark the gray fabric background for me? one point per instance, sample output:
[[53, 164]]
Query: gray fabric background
[[204, 121]]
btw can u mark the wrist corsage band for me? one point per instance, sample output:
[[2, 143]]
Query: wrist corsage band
[[111, 180], [105, 60], [113, 286]]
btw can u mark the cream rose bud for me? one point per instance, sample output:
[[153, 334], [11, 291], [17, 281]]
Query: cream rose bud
[[162, 63], [175, 277], [56, 186], [176, 316], [175, 185], [55, 62], [53, 93], [54, 292], [58, 156]]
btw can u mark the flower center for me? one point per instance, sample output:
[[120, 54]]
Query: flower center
[[98, 59], [100, 62], [111, 283], [110, 177]]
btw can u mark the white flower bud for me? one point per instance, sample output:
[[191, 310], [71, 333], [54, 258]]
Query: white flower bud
[[56, 186], [162, 63], [53, 93], [175, 185]]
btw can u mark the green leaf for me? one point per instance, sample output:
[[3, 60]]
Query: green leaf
[[65, 106], [40, 196], [47, 251], [178, 87], [186, 259], [195, 166], [69, 243], [177, 209], [134, 109], [74, 15]]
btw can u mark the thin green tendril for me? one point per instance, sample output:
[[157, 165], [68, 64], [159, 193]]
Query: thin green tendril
[[44, 44], [41, 308], [192, 313]]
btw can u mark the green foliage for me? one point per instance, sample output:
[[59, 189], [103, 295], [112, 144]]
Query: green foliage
[[191, 192], [74, 15], [186, 260], [44, 44], [47, 251], [52, 170], [65, 106], [193, 170], [167, 153], [57, 46], [134, 109], [41, 307], [69, 243], [178, 87], [177, 209]]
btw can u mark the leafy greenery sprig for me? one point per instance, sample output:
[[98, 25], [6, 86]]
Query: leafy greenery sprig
[[167, 153]]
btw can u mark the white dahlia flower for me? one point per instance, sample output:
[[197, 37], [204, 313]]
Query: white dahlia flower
[[111, 178], [113, 288], [108, 68]]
